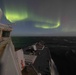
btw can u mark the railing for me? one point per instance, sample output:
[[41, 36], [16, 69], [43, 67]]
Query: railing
[[5, 26]]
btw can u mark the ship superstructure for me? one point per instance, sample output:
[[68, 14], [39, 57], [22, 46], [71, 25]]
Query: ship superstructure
[[4, 36]]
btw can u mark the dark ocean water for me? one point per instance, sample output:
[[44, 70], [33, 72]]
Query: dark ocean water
[[63, 51], [50, 41]]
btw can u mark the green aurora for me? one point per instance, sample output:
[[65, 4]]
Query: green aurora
[[15, 15], [48, 26], [20, 13]]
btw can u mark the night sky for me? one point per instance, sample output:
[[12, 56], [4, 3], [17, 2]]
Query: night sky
[[40, 17]]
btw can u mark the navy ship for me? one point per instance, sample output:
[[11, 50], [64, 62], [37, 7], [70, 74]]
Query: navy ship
[[37, 57], [39, 60]]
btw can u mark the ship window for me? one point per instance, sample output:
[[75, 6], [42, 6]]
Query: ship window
[[5, 33]]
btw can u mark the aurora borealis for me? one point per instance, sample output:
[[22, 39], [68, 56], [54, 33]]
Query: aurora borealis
[[19, 14], [14, 16], [38, 17], [15, 12], [48, 26]]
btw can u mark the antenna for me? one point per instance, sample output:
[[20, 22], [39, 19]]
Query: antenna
[[0, 13]]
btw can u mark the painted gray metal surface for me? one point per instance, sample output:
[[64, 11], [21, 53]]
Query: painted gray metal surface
[[9, 62]]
